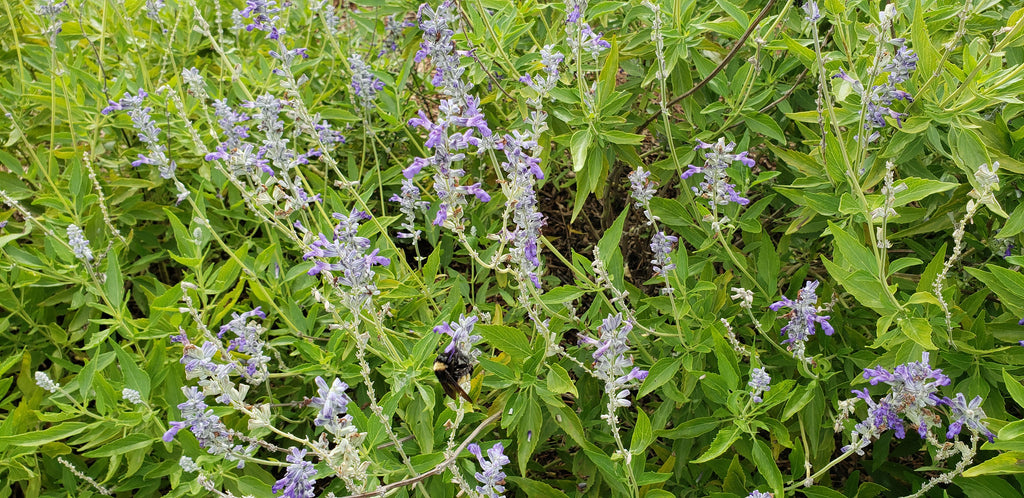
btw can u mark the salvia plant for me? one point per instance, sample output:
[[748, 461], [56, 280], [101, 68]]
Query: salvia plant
[[526, 249]]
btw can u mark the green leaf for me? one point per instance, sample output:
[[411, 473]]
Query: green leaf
[[764, 125], [114, 286], [432, 265], [643, 435], [835, 163], [134, 377], [1014, 388], [612, 473], [970, 150], [922, 41], [766, 466], [661, 372], [797, 403], [183, 239], [659, 493], [535, 488], [123, 445], [622, 138], [578, 145], [1015, 224], [559, 381], [987, 487], [870, 490], [863, 286], [734, 12], [691, 428], [510, 340], [38, 438], [527, 431], [820, 492], [568, 420], [609, 243], [648, 478], [1007, 284], [854, 253], [723, 441], [918, 330], [803, 163], [560, 295], [919, 188], [1011, 462], [801, 52]]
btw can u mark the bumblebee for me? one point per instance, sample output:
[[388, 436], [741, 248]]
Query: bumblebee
[[452, 369]]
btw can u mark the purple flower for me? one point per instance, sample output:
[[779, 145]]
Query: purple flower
[[393, 31], [208, 429], [333, 404], [715, 186], [758, 494], [492, 479], [460, 109], [228, 119], [913, 396], [967, 414], [760, 382], [288, 57], [802, 317], [523, 171], [51, 11], [248, 341], [262, 16], [364, 84], [881, 97], [661, 245], [327, 135], [79, 244], [353, 261], [915, 381], [904, 62], [883, 415], [409, 202], [147, 132], [575, 10], [551, 59], [592, 41], [127, 102], [610, 360], [461, 332], [811, 9], [199, 358], [299, 480], [642, 189]]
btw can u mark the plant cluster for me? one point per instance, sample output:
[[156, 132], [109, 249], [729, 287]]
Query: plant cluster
[[483, 248]]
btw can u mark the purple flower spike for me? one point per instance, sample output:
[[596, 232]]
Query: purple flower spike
[[354, 261], [333, 403], [492, 479], [716, 187], [611, 364], [969, 415], [299, 480], [461, 332], [914, 399], [802, 317]]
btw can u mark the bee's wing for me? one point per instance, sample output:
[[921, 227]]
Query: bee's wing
[[446, 375]]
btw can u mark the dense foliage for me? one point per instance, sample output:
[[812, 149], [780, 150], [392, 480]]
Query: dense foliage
[[486, 248]]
